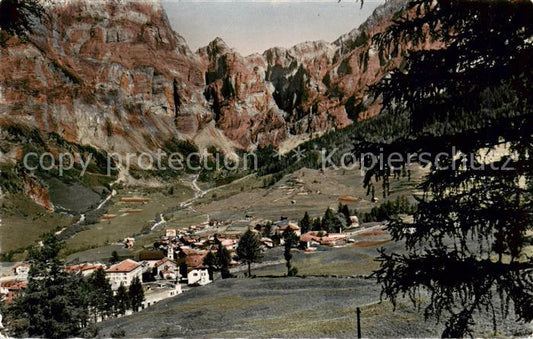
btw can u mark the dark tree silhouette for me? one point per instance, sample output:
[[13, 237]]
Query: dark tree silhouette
[[101, 295], [290, 240], [122, 300], [218, 261], [136, 294], [223, 260], [114, 258], [55, 303], [470, 91], [210, 261], [305, 223], [330, 222], [249, 250]]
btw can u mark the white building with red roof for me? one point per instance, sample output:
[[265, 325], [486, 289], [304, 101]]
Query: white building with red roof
[[123, 273], [197, 273]]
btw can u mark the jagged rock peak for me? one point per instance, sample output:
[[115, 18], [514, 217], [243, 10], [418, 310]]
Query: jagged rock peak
[[348, 41], [215, 48], [303, 51]]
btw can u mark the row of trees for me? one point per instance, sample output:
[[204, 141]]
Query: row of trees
[[331, 222], [388, 209], [249, 251], [59, 305], [105, 304]]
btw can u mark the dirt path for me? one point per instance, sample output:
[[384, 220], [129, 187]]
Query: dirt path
[[199, 194], [120, 178]]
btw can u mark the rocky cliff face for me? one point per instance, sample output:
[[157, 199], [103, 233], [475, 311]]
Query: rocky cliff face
[[34, 190], [110, 74], [241, 100], [114, 75], [310, 88]]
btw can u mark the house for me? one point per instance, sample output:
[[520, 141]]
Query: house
[[11, 289], [124, 272], [354, 220], [198, 276], [267, 242], [21, 270], [85, 269], [151, 257], [155, 292], [309, 240], [229, 244], [334, 239], [186, 240], [128, 242], [166, 269], [170, 233], [289, 225]]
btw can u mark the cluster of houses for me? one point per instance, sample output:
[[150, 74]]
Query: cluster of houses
[[178, 258], [311, 240], [160, 279]]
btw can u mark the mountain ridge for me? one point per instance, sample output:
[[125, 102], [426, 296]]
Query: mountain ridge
[[124, 76]]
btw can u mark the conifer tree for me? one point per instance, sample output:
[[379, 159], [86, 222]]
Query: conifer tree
[[223, 261], [305, 223], [210, 261], [114, 257], [101, 295], [290, 240], [330, 222], [136, 294], [345, 211], [249, 250], [219, 261], [55, 303], [470, 227], [122, 300]]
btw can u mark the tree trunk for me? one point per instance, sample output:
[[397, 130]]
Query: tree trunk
[[249, 269]]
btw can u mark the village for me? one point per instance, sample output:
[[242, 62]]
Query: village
[[177, 261]]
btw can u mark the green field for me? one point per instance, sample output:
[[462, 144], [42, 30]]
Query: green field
[[285, 307], [129, 218], [24, 222], [305, 190], [346, 261]]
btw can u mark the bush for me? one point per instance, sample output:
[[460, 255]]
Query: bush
[[118, 333], [90, 331]]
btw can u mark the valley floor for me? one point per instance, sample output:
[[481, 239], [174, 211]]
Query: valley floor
[[284, 307], [316, 304]]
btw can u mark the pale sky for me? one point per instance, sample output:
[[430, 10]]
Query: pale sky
[[252, 26]]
